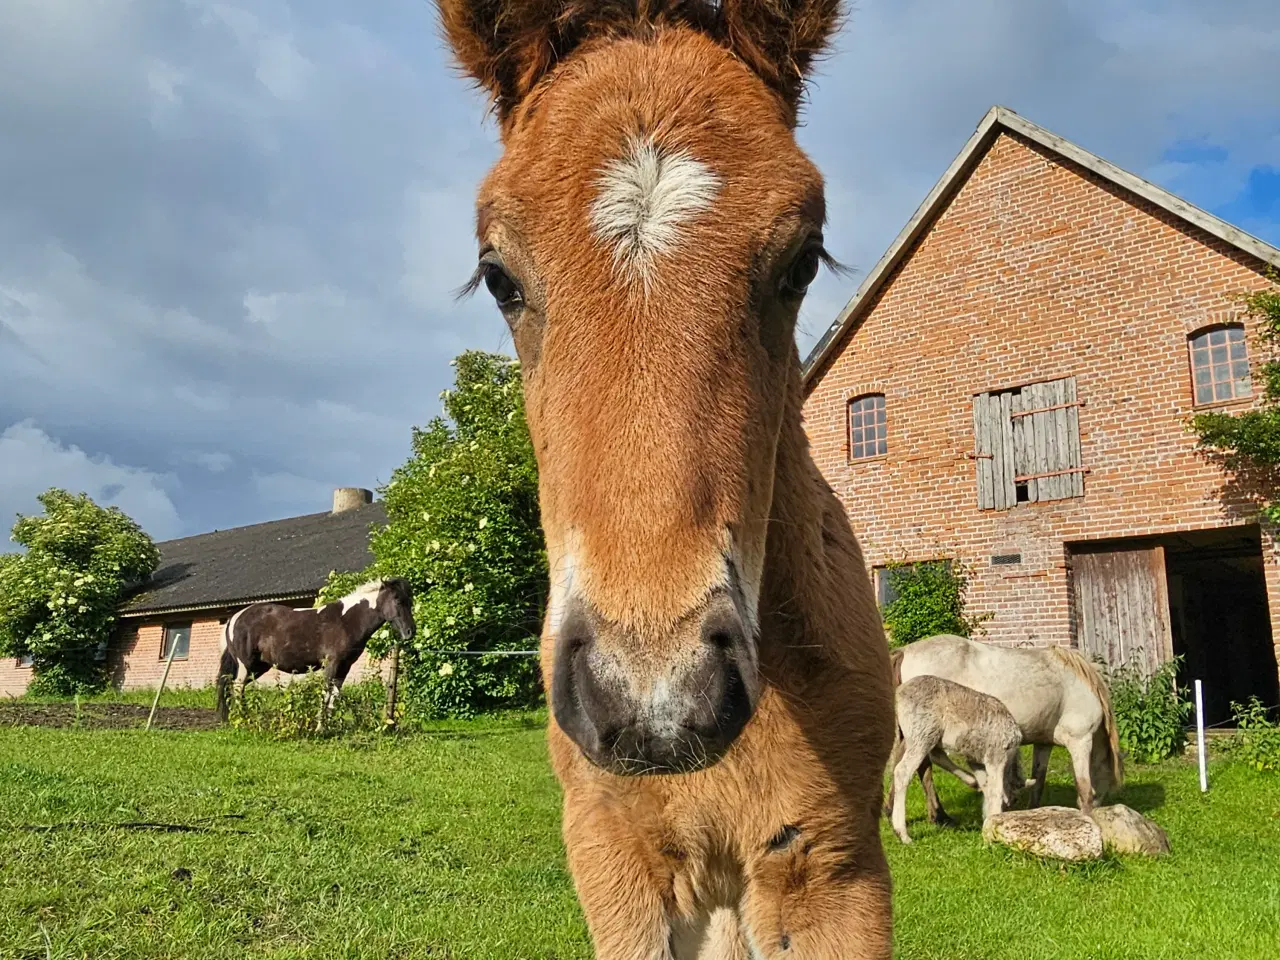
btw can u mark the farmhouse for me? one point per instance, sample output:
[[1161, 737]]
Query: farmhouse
[[1009, 389], [203, 580]]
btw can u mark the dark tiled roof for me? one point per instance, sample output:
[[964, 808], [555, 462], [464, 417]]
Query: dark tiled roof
[[282, 558]]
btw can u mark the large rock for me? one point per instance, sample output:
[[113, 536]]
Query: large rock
[[1125, 830], [1063, 833]]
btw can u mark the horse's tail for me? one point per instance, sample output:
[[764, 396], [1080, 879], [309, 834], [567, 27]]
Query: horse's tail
[[1092, 678]]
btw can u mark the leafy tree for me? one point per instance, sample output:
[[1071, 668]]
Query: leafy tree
[[929, 599], [463, 528], [1248, 444], [58, 600]]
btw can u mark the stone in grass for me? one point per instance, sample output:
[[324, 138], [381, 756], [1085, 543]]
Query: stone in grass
[[1063, 833], [1125, 830]]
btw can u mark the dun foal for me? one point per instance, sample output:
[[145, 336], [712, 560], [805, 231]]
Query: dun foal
[[718, 675], [332, 637], [937, 717]]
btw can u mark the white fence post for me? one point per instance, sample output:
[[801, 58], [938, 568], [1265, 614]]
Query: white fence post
[[173, 648], [1204, 777]]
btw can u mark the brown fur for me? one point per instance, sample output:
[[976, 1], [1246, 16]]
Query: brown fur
[[666, 419], [1088, 673]]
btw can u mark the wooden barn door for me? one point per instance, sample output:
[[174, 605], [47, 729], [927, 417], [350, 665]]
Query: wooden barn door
[[1122, 606]]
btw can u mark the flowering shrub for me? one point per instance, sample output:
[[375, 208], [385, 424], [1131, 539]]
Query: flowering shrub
[[463, 528], [58, 600]]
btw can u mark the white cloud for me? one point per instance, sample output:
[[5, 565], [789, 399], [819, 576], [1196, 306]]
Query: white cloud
[[31, 462]]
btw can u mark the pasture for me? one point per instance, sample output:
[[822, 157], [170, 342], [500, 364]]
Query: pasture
[[445, 844]]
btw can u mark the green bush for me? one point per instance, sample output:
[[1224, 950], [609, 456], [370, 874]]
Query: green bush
[[464, 529], [930, 599], [1151, 714], [58, 600], [291, 711], [1257, 738]]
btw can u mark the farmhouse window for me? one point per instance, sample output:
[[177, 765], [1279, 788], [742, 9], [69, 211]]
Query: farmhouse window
[[1028, 444], [178, 634], [867, 427], [1220, 365], [886, 578]]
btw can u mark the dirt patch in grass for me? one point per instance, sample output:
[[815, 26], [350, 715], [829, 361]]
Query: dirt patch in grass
[[105, 716]]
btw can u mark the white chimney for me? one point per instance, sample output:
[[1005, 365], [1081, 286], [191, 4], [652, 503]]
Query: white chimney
[[350, 498]]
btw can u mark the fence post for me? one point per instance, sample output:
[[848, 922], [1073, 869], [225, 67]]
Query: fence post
[[390, 723], [1204, 776], [173, 648]]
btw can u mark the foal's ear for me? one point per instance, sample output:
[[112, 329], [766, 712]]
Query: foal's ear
[[780, 39], [507, 46]]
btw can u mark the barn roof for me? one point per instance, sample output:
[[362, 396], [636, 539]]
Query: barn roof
[[280, 560], [1003, 120]]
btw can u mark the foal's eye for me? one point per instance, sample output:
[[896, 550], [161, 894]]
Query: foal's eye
[[803, 271], [505, 291]]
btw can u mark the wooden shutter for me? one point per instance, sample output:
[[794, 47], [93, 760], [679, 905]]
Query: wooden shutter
[[1122, 606], [993, 434], [1046, 426]]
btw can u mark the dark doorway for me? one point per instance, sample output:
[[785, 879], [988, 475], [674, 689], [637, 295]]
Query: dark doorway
[[1201, 595], [1220, 618]]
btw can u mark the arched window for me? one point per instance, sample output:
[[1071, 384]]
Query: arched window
[[1220, 365], [867, 427]]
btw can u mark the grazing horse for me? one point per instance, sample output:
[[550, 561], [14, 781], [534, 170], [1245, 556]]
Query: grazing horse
[[936, 716], [1055, 695], [718, 676], [265, 635]]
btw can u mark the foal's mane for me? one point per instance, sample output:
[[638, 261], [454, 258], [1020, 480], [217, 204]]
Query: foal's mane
[[1074, 661]]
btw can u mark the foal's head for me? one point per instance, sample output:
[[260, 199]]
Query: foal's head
[[648, 234], [395, 605]]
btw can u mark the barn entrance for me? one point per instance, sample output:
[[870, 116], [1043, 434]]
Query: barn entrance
[[1201, 595]]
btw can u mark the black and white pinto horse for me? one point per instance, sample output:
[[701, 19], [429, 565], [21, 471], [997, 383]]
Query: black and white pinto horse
[[332, 637]]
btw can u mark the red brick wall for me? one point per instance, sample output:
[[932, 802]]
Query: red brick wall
[[13, 678], [1036, 270]]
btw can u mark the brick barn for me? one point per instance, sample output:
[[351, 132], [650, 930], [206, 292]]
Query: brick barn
[[1009, 388], [203, 580]]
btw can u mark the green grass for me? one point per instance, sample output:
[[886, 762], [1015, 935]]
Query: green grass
[[203, 697], [445, 844]]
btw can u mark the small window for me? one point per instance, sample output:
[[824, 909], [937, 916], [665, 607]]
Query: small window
[[886, 579], [179, 635], [1220, 366], [867, 427], [26, 660]]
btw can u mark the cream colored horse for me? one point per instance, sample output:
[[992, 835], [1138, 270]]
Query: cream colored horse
[[1054, 693]]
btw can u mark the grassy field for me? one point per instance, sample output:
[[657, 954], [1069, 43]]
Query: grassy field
[[445, 844]]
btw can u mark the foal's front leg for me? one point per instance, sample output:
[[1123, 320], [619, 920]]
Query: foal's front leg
[[821, 898], [619, 889]]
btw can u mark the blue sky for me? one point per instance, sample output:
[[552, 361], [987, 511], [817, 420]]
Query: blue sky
[[230, 231]]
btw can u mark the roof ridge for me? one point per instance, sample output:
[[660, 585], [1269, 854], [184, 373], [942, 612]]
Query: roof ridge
[[267, 523], [996, 120]]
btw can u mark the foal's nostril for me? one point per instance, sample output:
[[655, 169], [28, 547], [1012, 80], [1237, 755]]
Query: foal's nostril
[[722, 628]]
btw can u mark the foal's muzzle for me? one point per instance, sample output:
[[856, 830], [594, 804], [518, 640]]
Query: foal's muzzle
[[634, 711]]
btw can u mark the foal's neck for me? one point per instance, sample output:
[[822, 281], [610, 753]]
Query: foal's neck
[[816, 599]]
